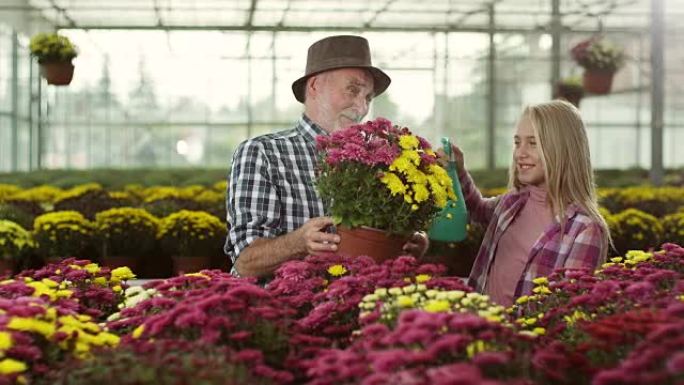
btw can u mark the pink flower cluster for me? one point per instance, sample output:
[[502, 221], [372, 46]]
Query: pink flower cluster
[[427, 348], [329, 305], [374, 143], [594, 322], [622, 325], [215, 308]]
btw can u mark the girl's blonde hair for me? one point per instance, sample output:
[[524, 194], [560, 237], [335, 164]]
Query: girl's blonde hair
[[564, 148]]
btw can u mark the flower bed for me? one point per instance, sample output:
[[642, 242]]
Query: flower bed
[[330, 319]]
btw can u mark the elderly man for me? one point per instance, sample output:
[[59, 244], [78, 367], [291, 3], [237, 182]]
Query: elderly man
[[274, 211]]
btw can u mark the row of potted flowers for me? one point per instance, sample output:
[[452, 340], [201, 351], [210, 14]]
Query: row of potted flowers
[[137, 238], [657, 201], [119, 236], [336, 320]]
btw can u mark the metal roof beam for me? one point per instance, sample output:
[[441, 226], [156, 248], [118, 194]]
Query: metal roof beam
[[377, 13], [63, 12], [270, 28], [157, 12], [252, 9]]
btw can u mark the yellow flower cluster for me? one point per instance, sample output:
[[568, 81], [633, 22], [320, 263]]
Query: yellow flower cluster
[[157, 193], [210, 196], [52, 46], [528, 325], [126, 220], [417, 186], [630, 260], [75, 333], [196, 225], [78, 191], [52, 290], [44, 194], [14, 239], [8, 190], [634, 196], [393, 301], [221, 186]]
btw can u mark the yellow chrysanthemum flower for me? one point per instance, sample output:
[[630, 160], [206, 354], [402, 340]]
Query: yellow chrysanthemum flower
[[475, 347], [420, 278], [5, 341], [437, 306], [122, 273], [408, 142], [92, 268], [11, 366], [421, 193], [404, 301], [337, 270], [40, 289], [32, 325], [394, 183], [138, 331], [197, 275]]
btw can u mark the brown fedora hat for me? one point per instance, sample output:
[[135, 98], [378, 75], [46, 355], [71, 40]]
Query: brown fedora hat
[[335, 52]]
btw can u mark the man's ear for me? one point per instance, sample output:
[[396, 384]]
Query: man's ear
[[312, 85]]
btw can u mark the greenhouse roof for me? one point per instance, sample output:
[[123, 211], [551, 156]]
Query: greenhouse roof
[[349, 15]]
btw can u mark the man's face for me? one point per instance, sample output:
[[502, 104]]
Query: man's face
[[341, 97]]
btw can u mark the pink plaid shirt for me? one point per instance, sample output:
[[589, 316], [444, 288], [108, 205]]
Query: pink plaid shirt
[[581, 246]]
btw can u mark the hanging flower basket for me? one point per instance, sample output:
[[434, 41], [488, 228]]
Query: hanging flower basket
[[600, 60], [57, 73], [598, 81], [54, 53]]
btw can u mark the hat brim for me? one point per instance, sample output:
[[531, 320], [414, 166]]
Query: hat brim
[[380, 81]]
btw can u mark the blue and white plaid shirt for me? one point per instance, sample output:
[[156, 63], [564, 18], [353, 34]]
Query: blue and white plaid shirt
[[271, 189]]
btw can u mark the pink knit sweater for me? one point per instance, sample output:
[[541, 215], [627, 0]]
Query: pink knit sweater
[[514, 246]]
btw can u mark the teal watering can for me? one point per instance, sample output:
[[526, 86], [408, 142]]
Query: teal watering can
[[451, 225]]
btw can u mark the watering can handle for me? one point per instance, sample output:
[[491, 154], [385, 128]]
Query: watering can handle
[[446, 143]]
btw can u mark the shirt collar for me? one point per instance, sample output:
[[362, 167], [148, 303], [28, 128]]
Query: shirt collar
[[309, 129]]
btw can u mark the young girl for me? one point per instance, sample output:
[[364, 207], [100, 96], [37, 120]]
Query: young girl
[[549, 218]]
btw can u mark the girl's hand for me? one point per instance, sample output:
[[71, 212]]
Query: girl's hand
[[456, 156]]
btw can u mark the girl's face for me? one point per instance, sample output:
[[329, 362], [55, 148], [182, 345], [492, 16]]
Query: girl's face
[[528, 161]]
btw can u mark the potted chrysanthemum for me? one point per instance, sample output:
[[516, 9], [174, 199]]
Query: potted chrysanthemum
[[63, 234], [126, 235], [600, 60], [54, 53], [191, 238], [14, 241], [380, 183]]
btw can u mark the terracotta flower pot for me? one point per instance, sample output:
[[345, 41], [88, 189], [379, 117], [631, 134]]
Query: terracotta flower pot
[[182, 265], [57, 73], [598, 81], [374, 243], [7, 266]]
